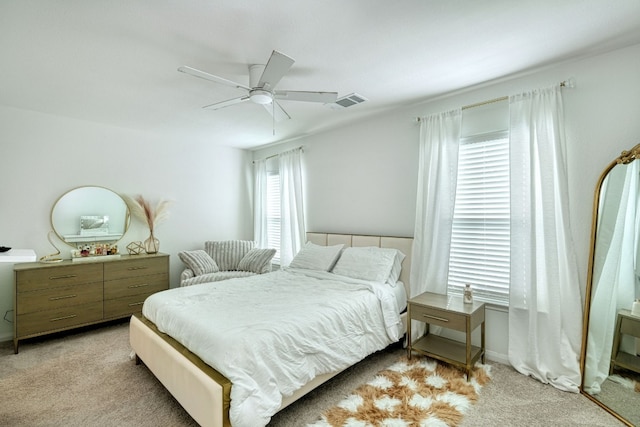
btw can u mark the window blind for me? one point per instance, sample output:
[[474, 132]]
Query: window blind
[[273, 214], [480, 241]]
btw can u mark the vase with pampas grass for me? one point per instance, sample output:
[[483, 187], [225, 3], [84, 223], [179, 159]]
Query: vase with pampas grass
[[142, 209], [151, 244]]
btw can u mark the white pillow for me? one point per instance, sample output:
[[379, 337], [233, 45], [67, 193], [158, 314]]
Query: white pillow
[[366, 263], [396, 268], [316, 257]]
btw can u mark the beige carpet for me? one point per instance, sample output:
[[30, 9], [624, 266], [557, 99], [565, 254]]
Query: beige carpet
[[87, 379], [83, 379], [622, 395]]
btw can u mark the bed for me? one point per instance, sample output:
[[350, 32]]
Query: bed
[[205, 393]]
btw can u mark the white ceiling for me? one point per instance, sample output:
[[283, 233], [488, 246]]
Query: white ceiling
[[116, 61]]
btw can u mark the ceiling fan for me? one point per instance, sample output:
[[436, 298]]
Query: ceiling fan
[[261, 90]]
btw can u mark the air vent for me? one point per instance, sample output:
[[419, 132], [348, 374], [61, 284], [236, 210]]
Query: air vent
[[347, 101]]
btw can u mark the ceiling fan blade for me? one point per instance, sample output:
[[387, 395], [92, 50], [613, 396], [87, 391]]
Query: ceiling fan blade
[[276, 68], [201, 74], [277, 111], [293, 95], [228, 103]]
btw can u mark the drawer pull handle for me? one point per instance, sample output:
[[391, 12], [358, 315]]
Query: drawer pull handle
[[63, 297], [136, 303], [66, 276], [55, 319], [137, 268], [442, 319], [141, 285]]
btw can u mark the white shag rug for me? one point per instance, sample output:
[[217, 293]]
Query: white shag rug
[[420, 392]]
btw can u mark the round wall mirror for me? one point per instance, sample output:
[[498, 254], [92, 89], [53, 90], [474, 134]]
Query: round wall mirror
[[90, 214]]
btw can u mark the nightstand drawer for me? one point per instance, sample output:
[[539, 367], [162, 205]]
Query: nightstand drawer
[[438, 317], [45, 321], [30, 280], [630, 326], [57, 298], [135, 285], [142, 266]]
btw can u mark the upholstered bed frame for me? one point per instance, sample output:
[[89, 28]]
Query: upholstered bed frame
[[202, 391]]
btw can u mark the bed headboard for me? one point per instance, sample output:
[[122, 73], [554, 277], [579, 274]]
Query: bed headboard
[[404, 244]]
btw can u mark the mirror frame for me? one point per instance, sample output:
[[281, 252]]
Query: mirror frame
[[625, 157], [127, 219]]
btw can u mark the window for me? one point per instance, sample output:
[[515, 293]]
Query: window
[[480, 241], [273, 214]]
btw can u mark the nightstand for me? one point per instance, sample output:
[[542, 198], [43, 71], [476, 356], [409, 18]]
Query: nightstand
[[452, 313], [626, 324]]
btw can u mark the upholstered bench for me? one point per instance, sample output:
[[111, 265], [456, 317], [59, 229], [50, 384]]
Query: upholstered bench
[[222, 260]]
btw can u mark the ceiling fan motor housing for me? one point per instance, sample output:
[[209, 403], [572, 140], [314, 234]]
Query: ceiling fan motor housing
[[261, 96], [258, 95]]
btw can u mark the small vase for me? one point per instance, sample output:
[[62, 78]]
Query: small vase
[[151, 245], [468, 295]]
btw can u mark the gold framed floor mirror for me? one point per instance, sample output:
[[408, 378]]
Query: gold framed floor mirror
[[610, 359]]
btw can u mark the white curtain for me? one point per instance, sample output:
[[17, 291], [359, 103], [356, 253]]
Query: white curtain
[[292, 226], [545, 309], [260, 230], [437, 177], [614, 269]]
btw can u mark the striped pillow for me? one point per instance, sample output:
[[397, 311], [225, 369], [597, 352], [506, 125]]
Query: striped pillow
[[257, 261], [227, 254], [199, 262]]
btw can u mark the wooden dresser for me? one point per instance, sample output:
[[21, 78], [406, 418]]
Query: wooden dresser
[[66, 295]]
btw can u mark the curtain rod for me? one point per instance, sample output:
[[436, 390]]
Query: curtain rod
[[276, 155], [570, 83], [479, 104]]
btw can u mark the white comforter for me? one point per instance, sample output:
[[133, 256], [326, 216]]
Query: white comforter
[[270, 334]]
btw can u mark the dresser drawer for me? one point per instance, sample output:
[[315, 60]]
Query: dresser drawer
[[126, 306], [143, 266], [51, 320], [438, 317], [30, 280], [58, 297], [135, 285]]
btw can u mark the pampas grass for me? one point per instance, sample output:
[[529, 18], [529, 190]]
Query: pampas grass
[[145, 212]]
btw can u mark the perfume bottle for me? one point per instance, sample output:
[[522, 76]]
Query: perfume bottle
[[468, 294], [635, 308]]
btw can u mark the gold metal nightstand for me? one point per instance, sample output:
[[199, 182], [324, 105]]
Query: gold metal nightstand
[[449, 312]]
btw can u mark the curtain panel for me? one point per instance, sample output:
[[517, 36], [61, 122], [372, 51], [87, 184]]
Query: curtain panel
[[260, 230], [545, 308], [292, 226], [436, 195]]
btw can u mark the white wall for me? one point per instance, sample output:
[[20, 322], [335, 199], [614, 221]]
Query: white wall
[[43, 156], [362, 178]]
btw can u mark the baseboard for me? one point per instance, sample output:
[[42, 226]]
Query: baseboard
[[6, 337], [497, 357]]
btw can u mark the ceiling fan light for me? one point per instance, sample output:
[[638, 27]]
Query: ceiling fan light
[[260, 96]]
